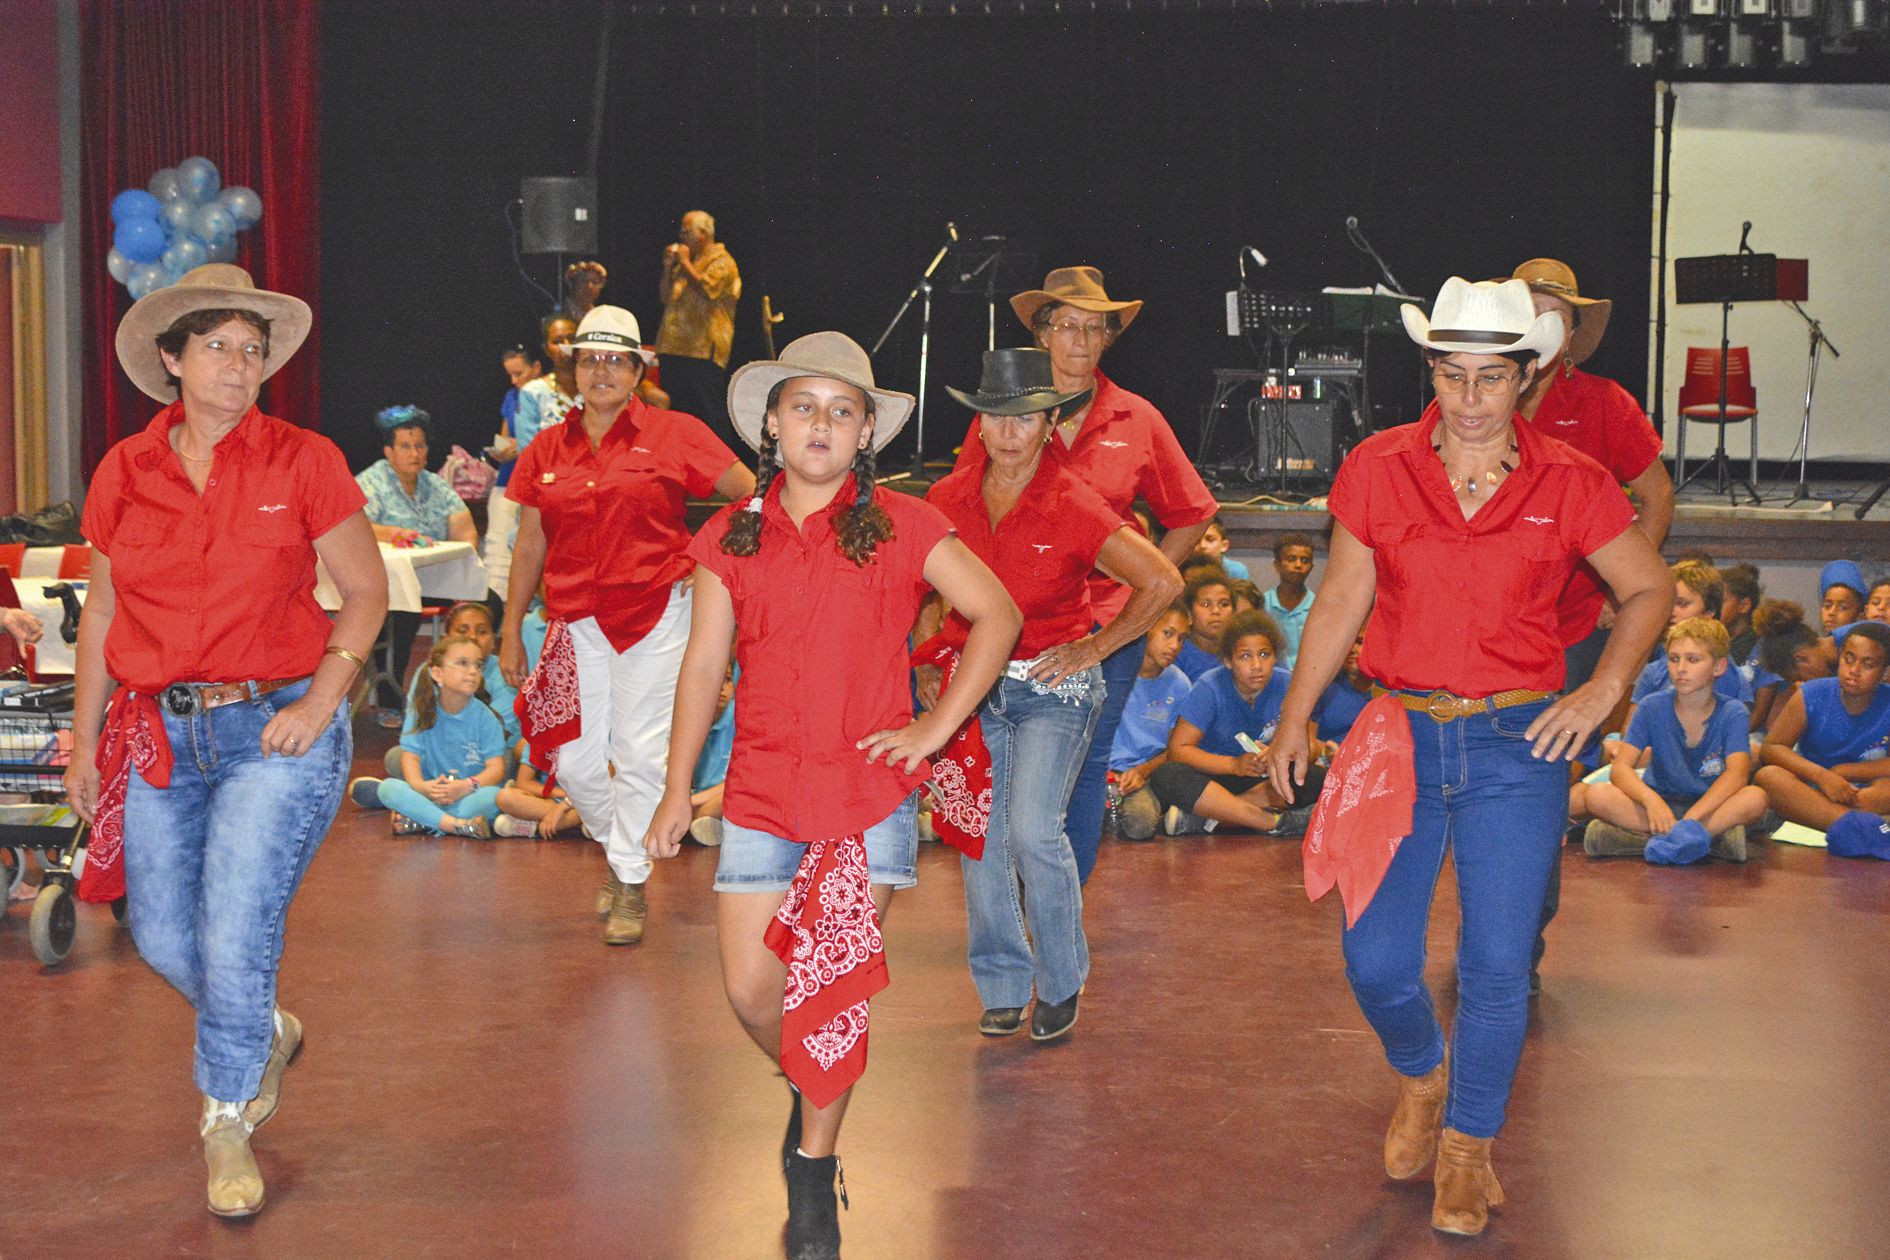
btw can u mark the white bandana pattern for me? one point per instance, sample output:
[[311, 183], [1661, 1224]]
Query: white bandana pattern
[[845, 936]]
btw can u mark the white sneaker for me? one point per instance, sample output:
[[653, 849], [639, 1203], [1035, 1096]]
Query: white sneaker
[[1179, 822], [514, 828], [706, 832]]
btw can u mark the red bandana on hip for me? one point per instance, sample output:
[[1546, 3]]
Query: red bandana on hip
[[961, 771], [827, 932], [1364, 810], [133, 739], [549, 715]]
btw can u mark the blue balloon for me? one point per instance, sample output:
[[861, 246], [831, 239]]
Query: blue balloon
[[243, 204], [146, 278], [119, 266], [211, 222], [176, 215], [183, 254], [164, 184], [198, 177], [134, 203], [140, 240], [223, 250]]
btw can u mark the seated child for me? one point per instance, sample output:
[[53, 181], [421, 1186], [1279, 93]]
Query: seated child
[[474, 621], [1212, 775], [1141, 743], [1841, 588], [1339, 705], [1247, 597], [526, 809], [1209, 599], [1290, 602], [1877, 607], [532, 631], [1697, 592], [1694, 750], [1214, 546], [705, 785], [452, 750], [1827, 755]]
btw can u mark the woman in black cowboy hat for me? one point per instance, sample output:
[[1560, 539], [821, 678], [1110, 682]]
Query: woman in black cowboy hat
[[1043, 532]]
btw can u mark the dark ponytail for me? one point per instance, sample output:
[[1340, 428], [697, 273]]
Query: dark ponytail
[[865, 525]]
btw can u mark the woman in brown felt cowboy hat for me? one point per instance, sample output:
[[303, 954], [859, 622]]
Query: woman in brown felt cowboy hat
[[212, 777], [1121, 447]]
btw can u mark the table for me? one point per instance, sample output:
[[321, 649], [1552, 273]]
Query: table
[[416, 576]]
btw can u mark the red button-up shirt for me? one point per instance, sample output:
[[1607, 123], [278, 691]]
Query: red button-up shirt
[[1602, 421], [614, 517], [1125, 449], [1043, 549], [821, 643], [1471, 606], [217, 587]]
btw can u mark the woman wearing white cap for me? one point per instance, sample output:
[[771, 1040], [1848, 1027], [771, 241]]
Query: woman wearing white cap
[[1457, 535], [602, 500]]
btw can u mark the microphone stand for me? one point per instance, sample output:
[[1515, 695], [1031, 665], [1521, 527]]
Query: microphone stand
[[1364, 246], [922, 292]]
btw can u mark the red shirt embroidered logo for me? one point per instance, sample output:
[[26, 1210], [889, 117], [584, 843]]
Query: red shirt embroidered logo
[[1540, 520], [1042, 547], [1114, 446], [273, 507]]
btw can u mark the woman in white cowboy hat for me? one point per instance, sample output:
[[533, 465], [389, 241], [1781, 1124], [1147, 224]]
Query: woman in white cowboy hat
[[1043, 532], [1457, 535], [602, 500], [1121, 447], [214, 773], [813, 585]]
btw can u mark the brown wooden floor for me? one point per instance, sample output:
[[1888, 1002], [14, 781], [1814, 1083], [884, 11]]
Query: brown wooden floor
[[1706, 1075]]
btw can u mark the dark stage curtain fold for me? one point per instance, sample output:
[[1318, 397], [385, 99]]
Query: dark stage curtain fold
[[238, 84]]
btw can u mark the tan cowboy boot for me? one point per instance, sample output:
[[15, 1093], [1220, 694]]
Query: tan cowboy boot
[[607, 893], [287, 1044], [1466, 1184], [624, 926], [236, 1187], [1411, 1140]]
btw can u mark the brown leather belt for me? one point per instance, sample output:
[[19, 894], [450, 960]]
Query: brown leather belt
[[190, 699], [1445, 706]]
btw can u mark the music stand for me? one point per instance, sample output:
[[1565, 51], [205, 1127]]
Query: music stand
[[1726, 280], [988, 267]]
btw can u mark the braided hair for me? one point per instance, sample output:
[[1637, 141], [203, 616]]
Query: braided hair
[[860, 529]]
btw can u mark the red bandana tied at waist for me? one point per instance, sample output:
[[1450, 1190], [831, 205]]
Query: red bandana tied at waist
[[961, 771], [133, 738], [549, 715], [1364, 810], [827, 932]]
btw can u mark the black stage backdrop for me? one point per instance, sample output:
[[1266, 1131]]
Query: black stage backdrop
[[834, 150]]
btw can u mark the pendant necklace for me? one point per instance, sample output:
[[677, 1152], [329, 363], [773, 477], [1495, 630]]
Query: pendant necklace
[[1470, 483]]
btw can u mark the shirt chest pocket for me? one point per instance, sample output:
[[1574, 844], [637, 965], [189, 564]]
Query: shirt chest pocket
[[272, 530]]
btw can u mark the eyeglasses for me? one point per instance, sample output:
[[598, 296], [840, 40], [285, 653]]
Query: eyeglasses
[[1074, 331], [615, 362], [1482, 382]]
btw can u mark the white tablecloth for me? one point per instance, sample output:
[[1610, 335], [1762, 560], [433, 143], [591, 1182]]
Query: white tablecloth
[[416, 576], [42, 562]]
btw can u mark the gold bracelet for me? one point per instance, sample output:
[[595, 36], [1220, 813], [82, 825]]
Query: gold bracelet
[[345, 654]]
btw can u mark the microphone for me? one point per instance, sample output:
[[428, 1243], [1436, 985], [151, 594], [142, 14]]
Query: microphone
[[1745, 230], [951, 230], [1257, 255]]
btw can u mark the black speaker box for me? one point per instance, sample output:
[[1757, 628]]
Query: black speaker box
[[1313, 438], [560, 215]]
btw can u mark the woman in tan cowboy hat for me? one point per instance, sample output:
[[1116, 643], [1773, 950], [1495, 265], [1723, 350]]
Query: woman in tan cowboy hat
[[1120, 446], [813, 585], [1456, 535], [214, 773]]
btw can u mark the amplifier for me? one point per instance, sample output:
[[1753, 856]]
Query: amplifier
[[560, 215], [1310, 442]]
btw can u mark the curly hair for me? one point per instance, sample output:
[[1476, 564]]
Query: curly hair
[[860, 529], [1247, 624]]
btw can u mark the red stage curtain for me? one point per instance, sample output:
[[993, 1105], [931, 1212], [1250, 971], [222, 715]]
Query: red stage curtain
[[238, 84]]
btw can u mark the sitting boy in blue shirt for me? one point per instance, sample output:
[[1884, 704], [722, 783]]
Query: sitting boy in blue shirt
[[1141, 744], [1209, 599]]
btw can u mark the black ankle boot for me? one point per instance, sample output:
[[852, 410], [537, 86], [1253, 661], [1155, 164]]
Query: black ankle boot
[[792, 1138], [813, 1224]]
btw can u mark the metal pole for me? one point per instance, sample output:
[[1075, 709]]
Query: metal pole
[[925, 360], [1659, 409]]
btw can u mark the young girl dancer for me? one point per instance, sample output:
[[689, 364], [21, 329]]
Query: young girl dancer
[[814, 584]]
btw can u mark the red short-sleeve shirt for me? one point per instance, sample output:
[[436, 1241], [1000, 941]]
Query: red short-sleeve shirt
[[1471, 606], [1123, 450], [1043, 550], [217, 587], [822, 645], [614, 523], [1601, 420]]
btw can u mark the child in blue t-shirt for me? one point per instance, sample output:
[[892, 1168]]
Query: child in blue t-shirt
[[527, 808], [1694, 793], [1339, 705], [1209, 599], [711, 772], [1216, 768], [474, 621], [1215, 544], [452, 749], [1827, 753], [1141, 743]]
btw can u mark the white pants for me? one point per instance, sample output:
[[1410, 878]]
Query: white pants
[[628, 699], [501, 529]]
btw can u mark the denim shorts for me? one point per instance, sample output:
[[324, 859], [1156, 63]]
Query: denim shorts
[[755, 862]]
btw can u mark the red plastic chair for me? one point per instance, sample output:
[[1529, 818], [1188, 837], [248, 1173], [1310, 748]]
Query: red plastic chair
[[12, 559], [76, 564], [1699, 404]]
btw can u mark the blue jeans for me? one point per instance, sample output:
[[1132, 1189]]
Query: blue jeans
[[1036, 742], [405, 799], [210, 865], [1091, 794], [1500, 812]]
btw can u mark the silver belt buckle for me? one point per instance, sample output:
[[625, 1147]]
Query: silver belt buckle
[[181, 700]]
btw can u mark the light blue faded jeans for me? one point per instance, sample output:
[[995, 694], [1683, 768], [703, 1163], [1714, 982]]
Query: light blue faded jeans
[[211, 863], [1033, 937]]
